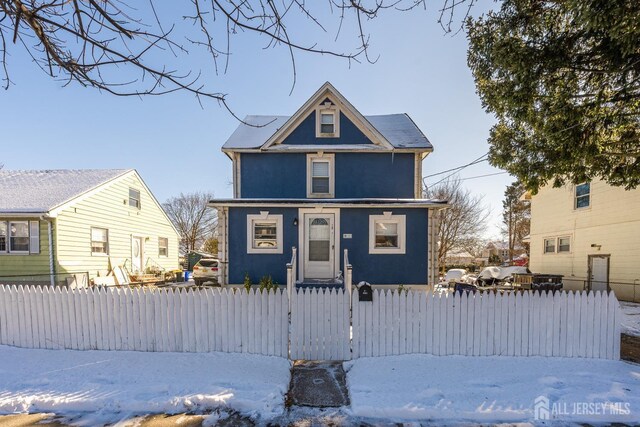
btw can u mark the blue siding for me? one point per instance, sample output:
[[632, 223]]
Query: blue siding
[[273, 175], [357, 175], [384, 175], [258, 265], [394, 269], [305, 133]]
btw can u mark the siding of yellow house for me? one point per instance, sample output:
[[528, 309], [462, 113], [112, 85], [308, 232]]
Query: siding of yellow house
[[609, 226], [32, 266], [109, 209]]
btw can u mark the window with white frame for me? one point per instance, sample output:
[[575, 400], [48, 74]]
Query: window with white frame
[[564, 244], [549, 246], [387, 234], [264, 234], [327, 121], [19, 237], [320, 175], [99, 241], [163, 246], [134, 198], [583, 196]]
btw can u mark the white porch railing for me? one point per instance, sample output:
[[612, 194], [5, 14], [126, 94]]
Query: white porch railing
[[292, 268], [348, 274]]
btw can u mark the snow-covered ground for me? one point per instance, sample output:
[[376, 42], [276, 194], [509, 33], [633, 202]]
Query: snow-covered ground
[[457, 389], [116, 385], [630, 318]]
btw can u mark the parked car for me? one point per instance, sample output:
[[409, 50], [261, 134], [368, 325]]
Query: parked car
[[205, 270]]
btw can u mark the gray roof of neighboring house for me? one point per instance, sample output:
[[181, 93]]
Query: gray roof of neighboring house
[[39, 191], [398, 129]]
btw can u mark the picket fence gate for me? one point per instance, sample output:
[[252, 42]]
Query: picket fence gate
[[321, 324]]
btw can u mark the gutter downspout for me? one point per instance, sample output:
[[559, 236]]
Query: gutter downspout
[[51, 266]]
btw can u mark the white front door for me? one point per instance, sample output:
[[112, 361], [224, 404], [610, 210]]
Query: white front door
[[319, 246], [136, 254], [599, 273]]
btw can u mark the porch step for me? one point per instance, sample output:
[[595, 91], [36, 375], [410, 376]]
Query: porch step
[[320, 284]]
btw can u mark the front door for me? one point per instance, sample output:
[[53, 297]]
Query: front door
[[136, 254], [319, 246], [599, 269]]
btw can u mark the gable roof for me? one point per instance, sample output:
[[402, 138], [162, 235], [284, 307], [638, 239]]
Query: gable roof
[[40, 191], [389, 132], [398, 129]]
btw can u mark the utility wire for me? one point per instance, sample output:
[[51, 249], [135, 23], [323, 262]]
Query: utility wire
[[478, 160], [483, 176]]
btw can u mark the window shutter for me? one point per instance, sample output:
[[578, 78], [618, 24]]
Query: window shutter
[[34, 237]]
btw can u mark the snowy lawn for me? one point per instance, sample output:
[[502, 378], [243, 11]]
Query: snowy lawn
[[493, 389], [630, 318], [121, 383]]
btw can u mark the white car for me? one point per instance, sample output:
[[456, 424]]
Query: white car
[[205, 270]]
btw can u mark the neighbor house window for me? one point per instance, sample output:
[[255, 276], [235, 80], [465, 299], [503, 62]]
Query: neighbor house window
[[134, 198], [549, 246], [264, 234], [387, 234], [3, 237], [99, 241], [163, 246], [320, 173], [583, 195], [564, 244], [19, 236]]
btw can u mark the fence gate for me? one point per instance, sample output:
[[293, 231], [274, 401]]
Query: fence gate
[[320, 325]]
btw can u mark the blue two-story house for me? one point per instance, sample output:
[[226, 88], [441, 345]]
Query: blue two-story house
[[324, 180]]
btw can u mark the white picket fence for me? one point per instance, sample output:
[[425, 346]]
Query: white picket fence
[[321, 325], [142, 320], [564, 324]]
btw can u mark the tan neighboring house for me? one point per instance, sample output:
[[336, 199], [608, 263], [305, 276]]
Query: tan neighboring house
[[590, 233], [56, 223]]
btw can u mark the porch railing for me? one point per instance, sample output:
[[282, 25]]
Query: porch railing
[[292, 268], [348, 274]]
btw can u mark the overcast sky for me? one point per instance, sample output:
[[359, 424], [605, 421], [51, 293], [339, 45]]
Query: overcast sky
[[174, 142]]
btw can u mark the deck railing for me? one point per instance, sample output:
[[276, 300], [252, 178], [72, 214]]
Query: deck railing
[[348, 274], [292, 268]]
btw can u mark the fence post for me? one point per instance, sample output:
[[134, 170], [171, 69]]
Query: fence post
[[291, 274], [348, 274]]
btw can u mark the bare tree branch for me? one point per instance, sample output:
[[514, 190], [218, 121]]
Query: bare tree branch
[[194, 220]]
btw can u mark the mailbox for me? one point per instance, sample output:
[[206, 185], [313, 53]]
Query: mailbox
[[365, 292]]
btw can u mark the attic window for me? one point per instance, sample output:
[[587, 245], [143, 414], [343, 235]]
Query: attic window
[[134, 198], [327, 121]]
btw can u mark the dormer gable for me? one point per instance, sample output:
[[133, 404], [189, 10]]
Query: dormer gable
[[327, 118]]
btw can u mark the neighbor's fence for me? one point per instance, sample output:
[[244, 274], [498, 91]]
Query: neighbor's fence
[[564, 324], [322, 325], [143, 320]]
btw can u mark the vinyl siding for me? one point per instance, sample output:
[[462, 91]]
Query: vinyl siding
[[612, 221], [109, 209], [31, 264]]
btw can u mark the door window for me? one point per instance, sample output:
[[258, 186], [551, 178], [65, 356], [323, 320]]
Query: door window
[[319, 239]]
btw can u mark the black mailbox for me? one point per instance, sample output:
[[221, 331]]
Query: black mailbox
[[364, 292]]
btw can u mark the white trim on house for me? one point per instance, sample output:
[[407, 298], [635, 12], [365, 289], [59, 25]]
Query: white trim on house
[[328, 91], [321, 157], [389, 218], [264, 216]]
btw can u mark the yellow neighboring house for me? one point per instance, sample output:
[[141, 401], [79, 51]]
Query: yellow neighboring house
[[590, 233], [55, 223]]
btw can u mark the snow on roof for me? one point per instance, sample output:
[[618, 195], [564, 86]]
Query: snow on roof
[[39, 191], [398, 129]]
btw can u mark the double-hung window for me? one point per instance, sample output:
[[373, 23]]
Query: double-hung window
[[582, 196], [327, 121], [99, 241], [387, 234], [163, 246], [320, 176], [134, 198], [549, 246], [264, 234], [19, 237], [564, 244]]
